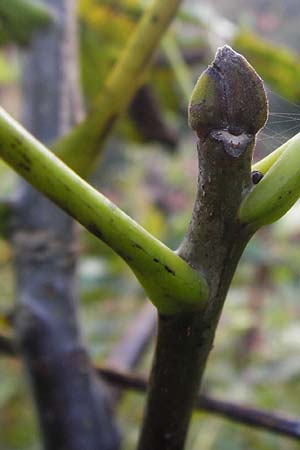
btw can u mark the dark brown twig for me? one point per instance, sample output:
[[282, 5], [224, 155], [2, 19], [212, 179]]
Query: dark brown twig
[[213, 244], [254, 417], [269, 421]]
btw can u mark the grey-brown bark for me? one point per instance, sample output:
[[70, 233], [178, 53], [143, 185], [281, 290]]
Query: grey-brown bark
[[72, 405], [227, 109]]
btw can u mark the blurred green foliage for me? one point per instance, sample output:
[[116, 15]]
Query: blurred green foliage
[[19, 19], [277, 65], [104, 29]]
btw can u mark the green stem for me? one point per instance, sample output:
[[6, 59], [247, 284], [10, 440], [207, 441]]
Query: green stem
[[278, 190], [169, 281], [266, 163], [177, 63], [81, 147]]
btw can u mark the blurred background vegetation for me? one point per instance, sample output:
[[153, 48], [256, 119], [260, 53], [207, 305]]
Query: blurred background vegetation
[[151, 173]]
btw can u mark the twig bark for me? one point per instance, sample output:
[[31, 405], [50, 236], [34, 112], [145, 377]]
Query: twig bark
[[227, 109]]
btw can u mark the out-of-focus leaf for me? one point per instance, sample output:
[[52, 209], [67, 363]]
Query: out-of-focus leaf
[[277, 65], [19, 19], [105, 29]]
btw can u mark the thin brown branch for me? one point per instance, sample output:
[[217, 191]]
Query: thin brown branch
[[269, 421], [253, 417], [227, 109]]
